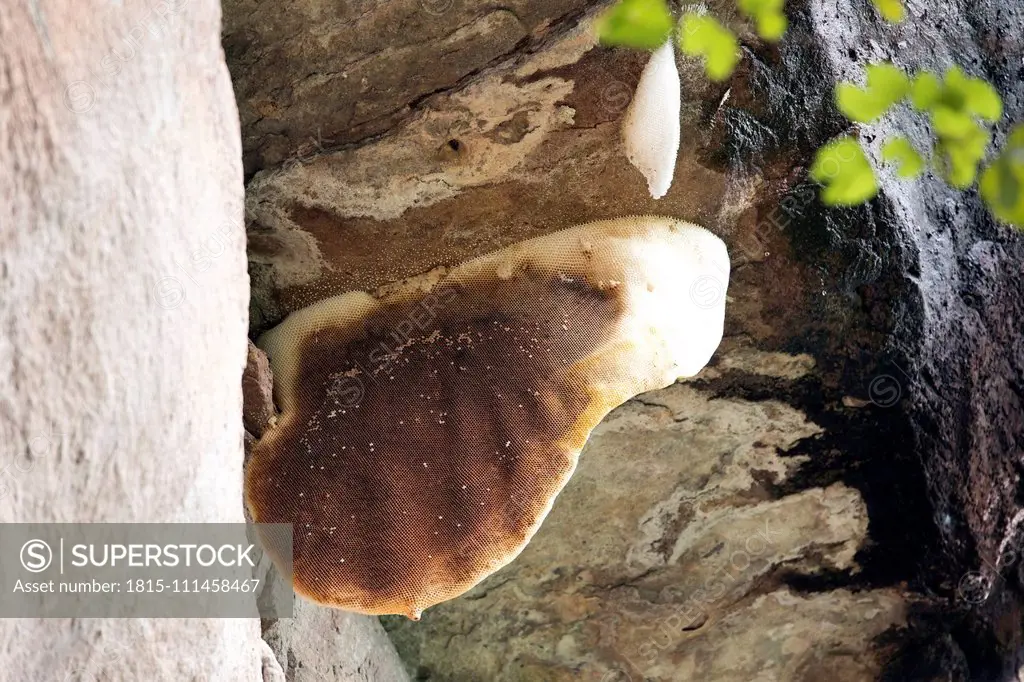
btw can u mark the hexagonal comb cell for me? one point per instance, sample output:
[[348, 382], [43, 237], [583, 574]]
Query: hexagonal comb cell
[[426, 430]]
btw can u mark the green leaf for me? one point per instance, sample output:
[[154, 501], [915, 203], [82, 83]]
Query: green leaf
[[892, 10], [845, 172], [704, 36], [958, 159], [901, 152], [1002, 183], [1015, 140], [642, 24], [971, 95], [886, 86], [952, 124], [925, 91], [754, 8], [856, 104], [772, 26], [771, 22], [981, 99], [955, 105]]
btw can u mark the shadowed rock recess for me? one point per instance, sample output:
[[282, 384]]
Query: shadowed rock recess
[[837, 496]]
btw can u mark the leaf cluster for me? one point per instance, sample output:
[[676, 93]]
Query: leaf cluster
[[960, 108]]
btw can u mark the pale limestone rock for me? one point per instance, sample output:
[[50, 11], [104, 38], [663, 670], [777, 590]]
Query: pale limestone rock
[[122, 266]]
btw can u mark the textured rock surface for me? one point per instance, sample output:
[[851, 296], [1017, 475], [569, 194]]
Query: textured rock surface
[[518, 135], [257, 392], [957, 357], [123, 308], [314, 74], [954, 362], [662, 561], [866, 399], [319, 644]]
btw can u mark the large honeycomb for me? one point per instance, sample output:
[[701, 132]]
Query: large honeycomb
[[426, 430]]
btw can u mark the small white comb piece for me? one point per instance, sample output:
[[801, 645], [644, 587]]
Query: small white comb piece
[[650, 129]]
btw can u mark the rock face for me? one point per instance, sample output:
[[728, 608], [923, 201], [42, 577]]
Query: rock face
[[257, 392], [123, 308], [662, 561], [319, 644], [956, 355], [315, 74], [835, 497]]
